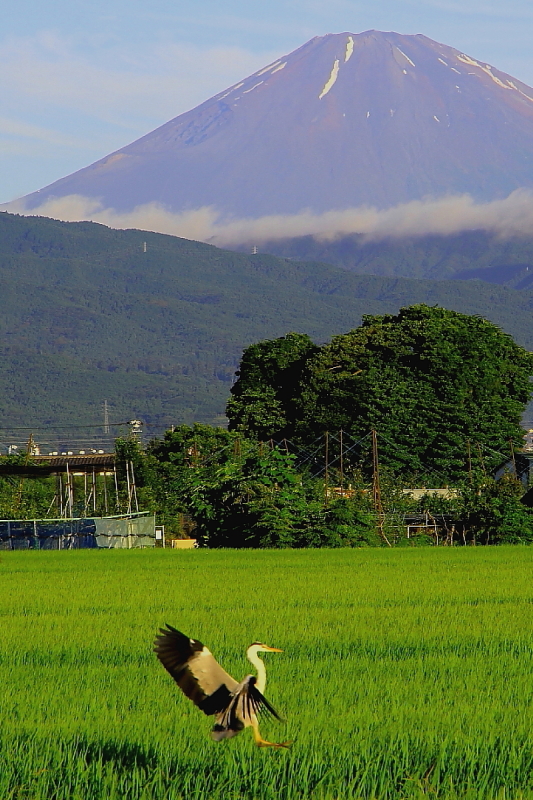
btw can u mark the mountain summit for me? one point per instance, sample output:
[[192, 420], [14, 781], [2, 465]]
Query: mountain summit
[[346, 120]]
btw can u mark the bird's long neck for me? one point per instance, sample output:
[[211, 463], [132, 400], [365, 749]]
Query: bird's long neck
[[261, 671]]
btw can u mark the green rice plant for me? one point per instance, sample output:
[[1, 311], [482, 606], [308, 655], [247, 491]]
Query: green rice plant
[[405, 673]]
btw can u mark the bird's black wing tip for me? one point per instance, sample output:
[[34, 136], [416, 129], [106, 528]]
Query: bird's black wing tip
[[162, 635], [169, 629], [261, 704]]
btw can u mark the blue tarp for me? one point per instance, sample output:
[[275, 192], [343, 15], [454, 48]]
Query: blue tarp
[[73, 534]]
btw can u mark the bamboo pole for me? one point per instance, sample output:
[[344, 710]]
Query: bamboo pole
[[376, 489], [341, 465], [326, 474]]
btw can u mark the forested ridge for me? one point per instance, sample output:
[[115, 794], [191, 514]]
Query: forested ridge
[[86, 314], [466, 255]]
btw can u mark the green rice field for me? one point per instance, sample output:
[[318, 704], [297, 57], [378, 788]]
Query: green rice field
[[406, 673]]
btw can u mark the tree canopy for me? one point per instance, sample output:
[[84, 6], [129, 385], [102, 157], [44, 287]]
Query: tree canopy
[[266, 398], [240, 493], [433, 383]]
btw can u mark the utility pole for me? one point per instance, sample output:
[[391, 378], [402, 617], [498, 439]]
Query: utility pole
[[30, 450], [480, 454], [513, 458], [106, 418], [376, 489], [341, 465], [326, 471]]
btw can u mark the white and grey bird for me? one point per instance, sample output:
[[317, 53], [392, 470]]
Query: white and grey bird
[[235, 705]]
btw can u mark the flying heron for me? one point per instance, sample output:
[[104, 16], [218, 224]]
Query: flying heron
[[200, 677]]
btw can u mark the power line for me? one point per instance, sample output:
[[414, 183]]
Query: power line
[[62, 427]]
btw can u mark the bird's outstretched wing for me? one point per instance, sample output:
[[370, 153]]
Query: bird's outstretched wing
[[195, 670], [243, 709], [257, 702]]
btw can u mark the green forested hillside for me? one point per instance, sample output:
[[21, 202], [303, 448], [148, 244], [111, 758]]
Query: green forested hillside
[[87, 315], [469, 254]]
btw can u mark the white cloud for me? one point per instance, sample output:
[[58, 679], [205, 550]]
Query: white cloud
[[511, 216], [69, 100], [23, 130], [482, 8], [266, 24], [116, 84]]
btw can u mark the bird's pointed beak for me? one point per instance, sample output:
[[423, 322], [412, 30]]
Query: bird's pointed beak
[[273, 649]]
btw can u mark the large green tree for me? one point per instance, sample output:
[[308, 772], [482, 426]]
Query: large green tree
[[433, 383], [266, 397]]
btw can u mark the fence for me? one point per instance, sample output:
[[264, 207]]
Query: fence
[[122, 531]]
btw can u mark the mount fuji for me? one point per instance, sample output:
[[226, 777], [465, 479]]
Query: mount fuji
[[347, 120]]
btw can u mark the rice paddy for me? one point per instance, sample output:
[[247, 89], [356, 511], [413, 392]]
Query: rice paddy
[[405, 673]]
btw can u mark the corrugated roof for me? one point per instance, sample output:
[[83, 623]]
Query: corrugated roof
[[40, 466], [75, 461]]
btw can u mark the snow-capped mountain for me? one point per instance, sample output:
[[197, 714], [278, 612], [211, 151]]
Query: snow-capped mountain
[[346, 120]]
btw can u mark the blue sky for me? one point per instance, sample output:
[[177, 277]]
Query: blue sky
[[81, 79]]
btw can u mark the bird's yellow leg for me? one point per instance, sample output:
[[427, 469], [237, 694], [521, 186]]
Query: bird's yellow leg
[[260, 742]]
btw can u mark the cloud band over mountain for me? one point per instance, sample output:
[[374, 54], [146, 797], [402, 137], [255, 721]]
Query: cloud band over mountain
[[509, 217]]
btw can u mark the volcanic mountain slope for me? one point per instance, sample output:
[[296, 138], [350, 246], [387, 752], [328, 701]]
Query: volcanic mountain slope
[[345, 120]]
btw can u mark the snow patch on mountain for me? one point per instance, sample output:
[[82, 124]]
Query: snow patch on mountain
[[349, 49], [487, 69], [406, 57], [331, 80], [253, 87], [514, 86], [229, 91], [266, 69]]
